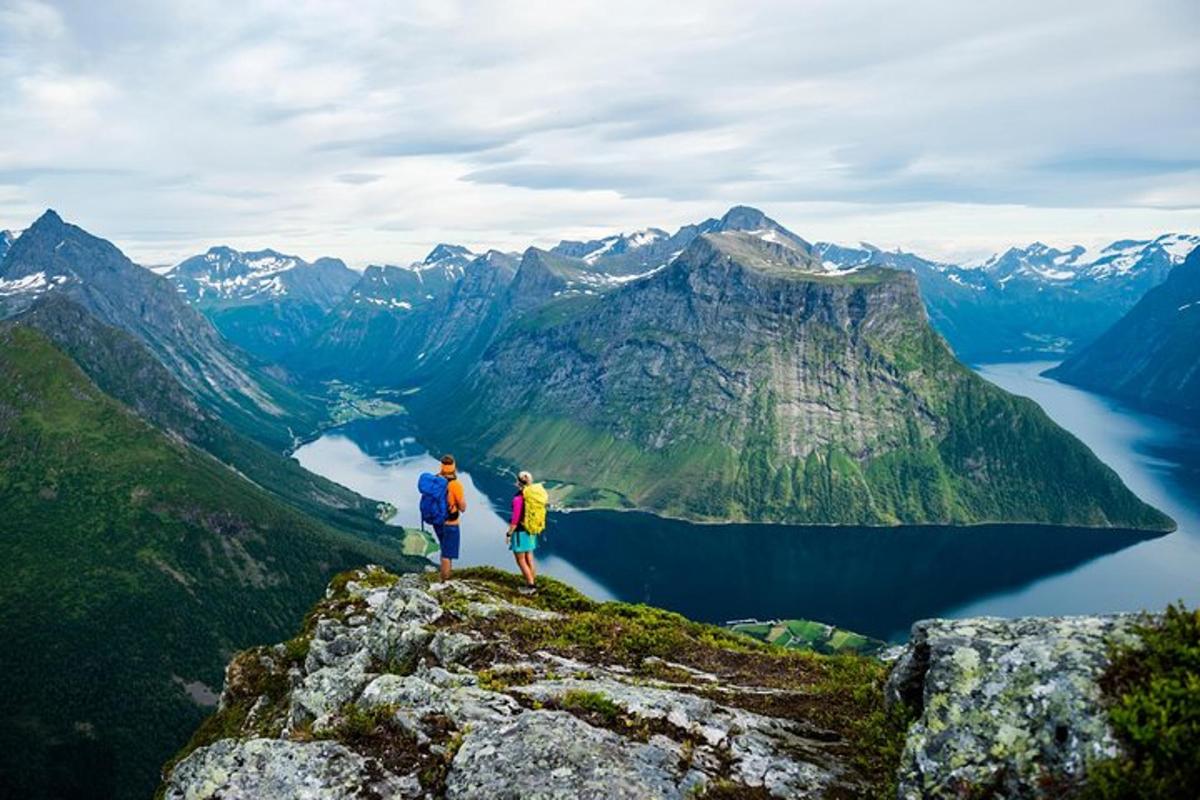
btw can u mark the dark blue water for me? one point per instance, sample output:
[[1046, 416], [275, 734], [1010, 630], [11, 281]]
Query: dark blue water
[[873, 580]]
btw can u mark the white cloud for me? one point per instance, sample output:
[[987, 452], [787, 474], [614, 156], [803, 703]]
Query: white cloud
[[373, 133]]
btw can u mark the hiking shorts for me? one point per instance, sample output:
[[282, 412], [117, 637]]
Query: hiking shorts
[[448, 537], [523, 542]]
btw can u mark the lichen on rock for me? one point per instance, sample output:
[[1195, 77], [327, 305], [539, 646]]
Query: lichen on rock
[[1008, 708]]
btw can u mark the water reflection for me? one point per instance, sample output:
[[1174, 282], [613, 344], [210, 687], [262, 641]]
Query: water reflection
[[873, 580], [381, 459]]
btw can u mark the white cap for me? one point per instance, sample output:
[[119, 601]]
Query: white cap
[[524, 477]]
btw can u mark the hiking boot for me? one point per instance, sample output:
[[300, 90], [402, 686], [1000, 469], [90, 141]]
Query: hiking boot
[[528, 590]]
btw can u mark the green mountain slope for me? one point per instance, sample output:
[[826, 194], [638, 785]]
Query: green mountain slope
[[124, 369], [1151, 356], [131, 565], [744, 383]]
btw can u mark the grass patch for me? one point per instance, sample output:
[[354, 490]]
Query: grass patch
[[837, 697], [591, 704], [1153, 696]]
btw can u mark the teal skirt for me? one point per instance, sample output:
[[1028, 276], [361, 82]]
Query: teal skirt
[[523, 542]]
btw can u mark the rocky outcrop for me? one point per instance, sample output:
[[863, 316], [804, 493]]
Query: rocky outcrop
[[1007, 708], [407, 688], [464, 689]]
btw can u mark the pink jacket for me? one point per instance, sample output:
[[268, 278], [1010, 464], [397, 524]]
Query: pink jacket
[[518, 510]]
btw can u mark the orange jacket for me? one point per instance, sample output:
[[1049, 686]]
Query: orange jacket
[[454, 494]]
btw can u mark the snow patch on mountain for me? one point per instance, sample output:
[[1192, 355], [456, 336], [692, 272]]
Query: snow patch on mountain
[[33, 284]]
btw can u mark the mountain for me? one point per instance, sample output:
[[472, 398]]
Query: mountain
[[747, 381], [6, 241], [1029, 302], [131, 563], [123, 368], [409, 325], [1151, 356], [263, 301], [639, 253], [398, 320], [53, 256]]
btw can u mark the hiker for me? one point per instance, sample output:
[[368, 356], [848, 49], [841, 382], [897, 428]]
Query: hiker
[[527, 522], [442, 503]]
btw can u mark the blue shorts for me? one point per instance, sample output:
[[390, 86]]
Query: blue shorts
[[448, 537], [523, 542]]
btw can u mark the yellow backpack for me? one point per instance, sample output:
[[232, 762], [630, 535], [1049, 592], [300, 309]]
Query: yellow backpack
[[534, 516]]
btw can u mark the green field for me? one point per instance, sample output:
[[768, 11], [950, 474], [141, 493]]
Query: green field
[[803, 634]]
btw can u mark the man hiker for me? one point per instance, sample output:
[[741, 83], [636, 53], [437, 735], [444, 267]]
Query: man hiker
[[527, 522], [442, 504]]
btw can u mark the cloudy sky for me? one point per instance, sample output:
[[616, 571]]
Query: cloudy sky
[[372, 130]]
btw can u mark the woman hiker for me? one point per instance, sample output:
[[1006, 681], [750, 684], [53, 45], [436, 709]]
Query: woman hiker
[[520, 541]]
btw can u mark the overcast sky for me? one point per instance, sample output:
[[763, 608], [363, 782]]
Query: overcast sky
[[373, 130]]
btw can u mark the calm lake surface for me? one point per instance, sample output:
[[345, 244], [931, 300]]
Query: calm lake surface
[[877, 581]]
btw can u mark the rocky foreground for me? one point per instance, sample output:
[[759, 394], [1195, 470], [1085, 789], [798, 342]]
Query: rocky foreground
[[399, 688]]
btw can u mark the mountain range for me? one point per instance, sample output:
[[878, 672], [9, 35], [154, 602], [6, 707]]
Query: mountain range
[[1034, 302], [1151, 356], [1031, 302], [263, 301], [151, 521], [52, 256], [729, 371]]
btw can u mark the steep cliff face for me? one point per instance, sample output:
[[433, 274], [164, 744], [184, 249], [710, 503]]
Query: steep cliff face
[[1151, 356], [402, 689], [743, 381]]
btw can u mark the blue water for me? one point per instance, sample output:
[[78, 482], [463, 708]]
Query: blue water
[[874, 580]]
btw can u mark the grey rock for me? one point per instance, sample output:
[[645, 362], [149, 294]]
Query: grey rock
[[762, 751], [551, 754], [1006, 706], [451, 648], [272, 768], [417, 698]]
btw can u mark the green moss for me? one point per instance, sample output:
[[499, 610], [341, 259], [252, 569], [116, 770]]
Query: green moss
[[1152, 691], [591, 703]]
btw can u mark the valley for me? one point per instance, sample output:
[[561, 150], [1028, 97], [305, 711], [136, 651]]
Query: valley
[[871, 580], [728, 405]]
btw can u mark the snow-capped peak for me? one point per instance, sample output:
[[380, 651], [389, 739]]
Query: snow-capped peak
[[447, 252], [226, 274]]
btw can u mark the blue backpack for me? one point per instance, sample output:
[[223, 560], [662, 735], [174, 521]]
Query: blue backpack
[[435, 505]]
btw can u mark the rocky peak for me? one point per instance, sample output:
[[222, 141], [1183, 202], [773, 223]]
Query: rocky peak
[[448, 252], [6, 240], [54, 248], [745, 218], [754, 222], [48, 221]]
